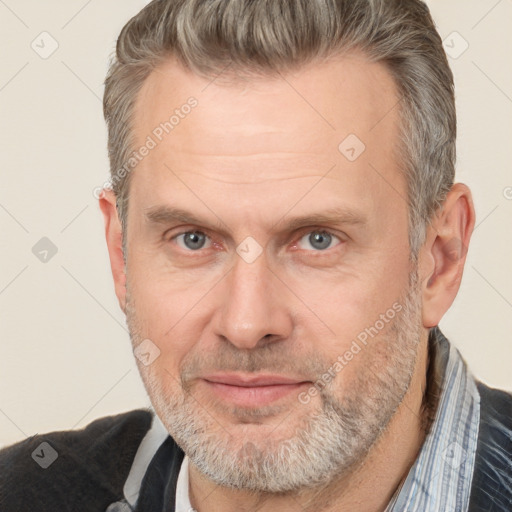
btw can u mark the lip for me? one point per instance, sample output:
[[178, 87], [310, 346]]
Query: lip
[[244, 380], [252, 390]]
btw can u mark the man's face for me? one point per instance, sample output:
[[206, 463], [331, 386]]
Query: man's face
[[298, 250]]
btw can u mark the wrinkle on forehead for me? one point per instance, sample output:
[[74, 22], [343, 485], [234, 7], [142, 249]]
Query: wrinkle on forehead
[[283, 133], [312, 105], [256, 180]]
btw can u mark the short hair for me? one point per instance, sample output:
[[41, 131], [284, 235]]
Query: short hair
[[263, 38]]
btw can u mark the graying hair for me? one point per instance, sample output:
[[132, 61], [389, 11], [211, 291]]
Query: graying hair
[[263, 38]]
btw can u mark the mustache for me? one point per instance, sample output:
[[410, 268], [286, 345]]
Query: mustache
[[272, 358]]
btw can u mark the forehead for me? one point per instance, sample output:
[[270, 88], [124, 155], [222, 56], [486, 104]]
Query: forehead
[[329, 98], [273, 133]]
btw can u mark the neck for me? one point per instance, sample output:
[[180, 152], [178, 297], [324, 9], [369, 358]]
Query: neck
[[369, 487]]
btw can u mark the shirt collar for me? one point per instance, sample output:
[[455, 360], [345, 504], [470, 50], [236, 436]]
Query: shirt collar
[[440, 478]]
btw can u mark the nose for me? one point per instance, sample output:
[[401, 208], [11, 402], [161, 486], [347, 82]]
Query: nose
[[254, 308]]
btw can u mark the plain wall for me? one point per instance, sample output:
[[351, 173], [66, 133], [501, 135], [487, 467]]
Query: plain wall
[[65, 351]]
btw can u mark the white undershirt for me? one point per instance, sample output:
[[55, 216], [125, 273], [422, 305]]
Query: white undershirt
[[153, 439], [182, 497], [150, 444]]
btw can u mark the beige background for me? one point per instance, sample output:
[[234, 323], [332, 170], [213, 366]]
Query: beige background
[[65, 353]]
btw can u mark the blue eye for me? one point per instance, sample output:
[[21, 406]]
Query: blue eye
[[319, 240], [191, 240]]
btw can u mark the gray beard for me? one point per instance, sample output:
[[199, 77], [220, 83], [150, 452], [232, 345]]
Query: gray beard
[[327, 444]]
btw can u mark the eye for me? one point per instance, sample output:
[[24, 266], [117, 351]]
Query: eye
[[319, 240], [192, 240]]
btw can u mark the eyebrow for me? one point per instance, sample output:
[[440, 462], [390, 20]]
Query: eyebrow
[[170, 215], [336, 215], [163, 214]]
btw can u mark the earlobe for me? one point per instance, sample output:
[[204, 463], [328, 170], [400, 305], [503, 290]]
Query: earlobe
[[114, 235], [445, 251]]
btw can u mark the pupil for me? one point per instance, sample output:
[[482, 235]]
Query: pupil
[[320, 240], [194, 240]]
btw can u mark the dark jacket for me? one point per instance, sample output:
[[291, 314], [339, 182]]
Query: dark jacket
[[92, 465]]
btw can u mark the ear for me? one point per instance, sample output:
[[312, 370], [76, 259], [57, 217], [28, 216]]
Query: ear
[[443, 255], [113, 234]]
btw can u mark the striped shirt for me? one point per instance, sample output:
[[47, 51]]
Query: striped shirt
[[440, 478]]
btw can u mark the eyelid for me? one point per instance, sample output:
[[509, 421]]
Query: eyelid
[[214, 243], [296, 238], [309, 230], [208, 238], [182, 230]]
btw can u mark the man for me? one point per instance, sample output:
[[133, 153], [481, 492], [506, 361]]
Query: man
[[285, 236]]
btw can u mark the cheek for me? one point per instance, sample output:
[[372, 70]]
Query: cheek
[[162, 386], [350, 303], [166, 319]]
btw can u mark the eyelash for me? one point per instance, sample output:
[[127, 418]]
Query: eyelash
[[295, 243], [322, 232]]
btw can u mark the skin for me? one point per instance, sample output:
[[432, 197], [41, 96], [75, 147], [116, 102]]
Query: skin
[[250, 157]]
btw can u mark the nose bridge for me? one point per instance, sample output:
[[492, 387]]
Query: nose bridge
[[249, 308]]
